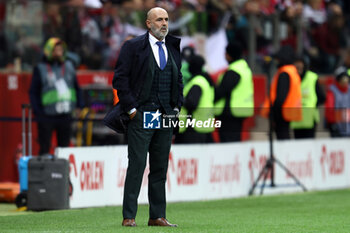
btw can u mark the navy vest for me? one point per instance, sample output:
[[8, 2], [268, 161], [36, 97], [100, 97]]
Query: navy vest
[[159, 96]]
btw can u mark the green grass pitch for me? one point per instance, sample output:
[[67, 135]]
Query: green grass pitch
[[327, 211]]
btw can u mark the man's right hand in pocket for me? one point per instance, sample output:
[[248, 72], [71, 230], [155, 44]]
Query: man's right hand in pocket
[[132, 115]]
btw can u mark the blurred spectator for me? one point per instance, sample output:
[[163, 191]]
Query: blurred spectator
[[284, 100], [267, 7], [54, 95], [132, 13], [194, 17], [169, 5], [197, 5], [237, 28], [71, 24], [345, 5], [291, 9], [91, 34], [62, 20], [221, 11], [23, 32], [234, 95], [53, 21], [291, 12], [312, 96], [112, 34], [223, 6], [198, 102], [262, 11], [314, 13], [338, 105], [329, 39]]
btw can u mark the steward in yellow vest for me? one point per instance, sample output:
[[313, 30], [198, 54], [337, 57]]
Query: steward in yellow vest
[[234, 95], [199, 105], [312, 96]]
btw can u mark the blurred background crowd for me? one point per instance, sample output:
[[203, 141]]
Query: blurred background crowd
[[94, 30]]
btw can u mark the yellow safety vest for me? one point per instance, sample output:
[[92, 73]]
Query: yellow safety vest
[[242, 96], [205, 108], [310, 113]]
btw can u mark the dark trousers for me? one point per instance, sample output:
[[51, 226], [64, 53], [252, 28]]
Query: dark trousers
[[231, 129], [282, 129], [304, 133], [46, 127], [279, 124], [140, 141]]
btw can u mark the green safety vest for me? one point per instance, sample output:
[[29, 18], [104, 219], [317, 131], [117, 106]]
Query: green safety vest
[[58, 95], [310, 113], [242, 96], [349, 72], [205, 108]]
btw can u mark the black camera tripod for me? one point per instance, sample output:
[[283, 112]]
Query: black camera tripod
[[269, 165]]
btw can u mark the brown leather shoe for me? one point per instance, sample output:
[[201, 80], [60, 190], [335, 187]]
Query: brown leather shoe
[[127, 222], [162, 222]]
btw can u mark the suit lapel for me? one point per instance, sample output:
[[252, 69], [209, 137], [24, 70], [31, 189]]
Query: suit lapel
[[144, 54]]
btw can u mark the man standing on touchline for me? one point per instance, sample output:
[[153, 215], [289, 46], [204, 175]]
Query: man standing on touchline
[[148, 79]]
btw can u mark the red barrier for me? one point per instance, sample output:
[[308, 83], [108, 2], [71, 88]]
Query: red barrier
[[13, 93], [14, 90]]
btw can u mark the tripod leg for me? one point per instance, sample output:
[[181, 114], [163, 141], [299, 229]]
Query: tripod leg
[[251, 191], [267, 168], [291, 174], [272, 170]]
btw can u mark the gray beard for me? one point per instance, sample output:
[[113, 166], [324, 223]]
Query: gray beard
[[158, 34]]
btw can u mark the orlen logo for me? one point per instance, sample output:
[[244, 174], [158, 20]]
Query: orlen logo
[[187, 171], [72, 165], [332, 162], [91, 173], [256, 163]]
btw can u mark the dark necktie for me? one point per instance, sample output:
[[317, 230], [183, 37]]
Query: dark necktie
[[162, 61]]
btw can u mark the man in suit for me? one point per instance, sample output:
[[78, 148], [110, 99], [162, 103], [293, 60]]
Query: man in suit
[[148, 79]]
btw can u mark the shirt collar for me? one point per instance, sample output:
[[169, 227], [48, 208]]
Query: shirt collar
[[153, 40]]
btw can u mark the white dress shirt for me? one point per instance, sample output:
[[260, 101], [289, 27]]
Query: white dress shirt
[[155, 48]]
